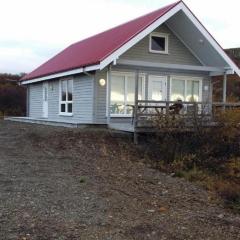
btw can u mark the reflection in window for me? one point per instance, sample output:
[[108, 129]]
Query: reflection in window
[[66, 98], [123, 93], [192, 91], [186, 90], [178, 90], [117, 94]]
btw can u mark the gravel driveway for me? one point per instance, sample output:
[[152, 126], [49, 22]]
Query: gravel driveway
[[59, 183]]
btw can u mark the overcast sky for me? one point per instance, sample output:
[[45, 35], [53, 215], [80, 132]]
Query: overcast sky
[[32, 31]]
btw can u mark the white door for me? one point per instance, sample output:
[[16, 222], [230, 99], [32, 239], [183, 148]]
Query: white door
[[157, 88], [45, 100]]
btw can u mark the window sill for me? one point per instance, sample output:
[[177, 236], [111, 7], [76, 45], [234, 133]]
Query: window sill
[[66, 114], [121, 115], [159, 52]]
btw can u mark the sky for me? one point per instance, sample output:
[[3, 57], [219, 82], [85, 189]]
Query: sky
[[32, 31]]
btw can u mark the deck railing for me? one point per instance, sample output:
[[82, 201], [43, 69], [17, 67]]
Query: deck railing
[[190, 113]]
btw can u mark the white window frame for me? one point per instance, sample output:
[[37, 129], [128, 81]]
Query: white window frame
[[162, 35], [127, 74], [187, 78], [65, 102]]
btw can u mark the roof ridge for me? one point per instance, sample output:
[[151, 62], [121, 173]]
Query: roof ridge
[[167, 7]]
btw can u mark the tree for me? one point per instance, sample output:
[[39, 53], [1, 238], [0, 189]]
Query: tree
[[12, 96]]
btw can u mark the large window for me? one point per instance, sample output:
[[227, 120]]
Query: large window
[[123, 93], [158, 43], [66, 97], [188, 89]]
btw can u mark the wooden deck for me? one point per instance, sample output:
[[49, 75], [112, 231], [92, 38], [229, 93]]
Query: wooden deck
[[54, 122], [152, 116]]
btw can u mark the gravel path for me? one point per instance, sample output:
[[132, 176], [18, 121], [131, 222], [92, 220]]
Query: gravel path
[[58, 183]]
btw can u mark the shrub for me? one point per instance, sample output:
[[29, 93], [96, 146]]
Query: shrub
[[12, 96], [207, 155]]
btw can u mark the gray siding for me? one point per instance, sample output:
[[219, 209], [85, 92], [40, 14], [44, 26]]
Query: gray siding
[[82, 100], [178, 53], [35, 96]]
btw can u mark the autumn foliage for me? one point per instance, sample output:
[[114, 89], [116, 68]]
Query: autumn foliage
[[12, 96]]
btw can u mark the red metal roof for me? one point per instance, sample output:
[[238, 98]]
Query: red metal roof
[[93, 50]]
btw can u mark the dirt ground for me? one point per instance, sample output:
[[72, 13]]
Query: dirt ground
[[59, 183]]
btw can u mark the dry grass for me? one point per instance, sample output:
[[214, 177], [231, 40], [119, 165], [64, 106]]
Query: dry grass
[[210, 157]]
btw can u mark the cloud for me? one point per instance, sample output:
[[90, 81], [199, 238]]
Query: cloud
[[33, 31]]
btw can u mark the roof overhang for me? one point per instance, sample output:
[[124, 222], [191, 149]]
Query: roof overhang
[[62, 74], [180, 20]]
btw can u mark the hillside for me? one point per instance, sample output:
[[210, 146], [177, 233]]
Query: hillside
[[58, 183]]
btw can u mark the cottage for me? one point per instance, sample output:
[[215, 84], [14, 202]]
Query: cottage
[[163, 56]]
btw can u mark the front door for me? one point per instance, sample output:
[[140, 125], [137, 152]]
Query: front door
[[157, 88], [45, 100]]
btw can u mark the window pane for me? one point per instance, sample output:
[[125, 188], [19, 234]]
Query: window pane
[[70, 90], [158, 43], [130, 90], [69, 107], [64, 90], [130, 93], [178, 90], [63, 107], [140, 88], [117, 94], [192, 91]]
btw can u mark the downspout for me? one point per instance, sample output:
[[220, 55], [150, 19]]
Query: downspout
[[27, 101]]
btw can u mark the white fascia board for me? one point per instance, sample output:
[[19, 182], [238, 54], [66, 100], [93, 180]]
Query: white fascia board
[[211, 40], [91, 68], [169, 66], [218, 73], [139, 36], [62, 74]]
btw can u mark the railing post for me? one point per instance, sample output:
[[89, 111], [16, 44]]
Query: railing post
[[136, 108], [167, 108], [224, 90]]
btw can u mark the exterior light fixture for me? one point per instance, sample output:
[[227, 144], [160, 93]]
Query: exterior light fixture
[[201, 41], [102, 82]]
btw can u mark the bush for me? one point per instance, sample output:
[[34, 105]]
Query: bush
[[12, 96], [210, 156]]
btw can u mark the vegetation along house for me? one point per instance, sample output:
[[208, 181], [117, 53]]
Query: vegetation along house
[[158, 58]]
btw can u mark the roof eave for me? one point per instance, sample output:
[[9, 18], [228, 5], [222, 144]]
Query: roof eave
[[62, 74]]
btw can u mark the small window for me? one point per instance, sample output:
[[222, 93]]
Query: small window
[[66, 97], [158, 43]]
